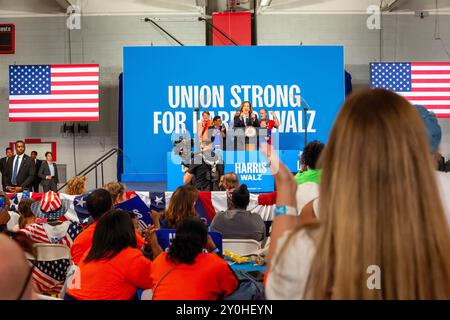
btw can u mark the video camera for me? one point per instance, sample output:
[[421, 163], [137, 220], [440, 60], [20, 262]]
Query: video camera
[[184, 147]]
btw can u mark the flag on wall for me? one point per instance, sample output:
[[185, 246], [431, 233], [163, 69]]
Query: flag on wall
[[60, 92], [422, 83]]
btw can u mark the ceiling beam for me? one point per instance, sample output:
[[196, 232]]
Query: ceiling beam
[[64, 4], [393, 5]]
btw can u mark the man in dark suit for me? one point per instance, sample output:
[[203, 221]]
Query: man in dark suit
[[48, 172], [20, 170], [3, 161], [37, 164]]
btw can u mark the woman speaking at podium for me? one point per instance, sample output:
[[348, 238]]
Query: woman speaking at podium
[[246, 118]]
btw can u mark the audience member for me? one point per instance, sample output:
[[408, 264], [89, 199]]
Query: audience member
[[117, 192], [308, 178], [238, 222], [3, 161], [181, 205], [76, 186], [20, 170], [9, 220], [49, 228], [434, 138], [98, 203], [229, 182], [310, 156], [15, 272], [372, 212], [186, 273], [27, 216], [114, 268]]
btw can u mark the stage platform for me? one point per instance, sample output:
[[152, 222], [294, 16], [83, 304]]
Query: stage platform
[[146, 186]]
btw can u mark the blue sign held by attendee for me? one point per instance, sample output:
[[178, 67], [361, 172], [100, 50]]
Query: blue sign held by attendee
[[137, 206]]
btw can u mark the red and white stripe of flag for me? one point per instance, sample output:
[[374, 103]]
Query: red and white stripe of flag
[[74, 97], [430, 87]]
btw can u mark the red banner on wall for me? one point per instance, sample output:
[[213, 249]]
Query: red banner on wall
[[236, 25]]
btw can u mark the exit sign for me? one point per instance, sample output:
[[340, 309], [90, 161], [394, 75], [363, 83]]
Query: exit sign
[[7, 41]]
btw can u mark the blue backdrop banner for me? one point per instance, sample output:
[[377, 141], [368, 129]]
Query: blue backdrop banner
[[164, 85], [250, 166]]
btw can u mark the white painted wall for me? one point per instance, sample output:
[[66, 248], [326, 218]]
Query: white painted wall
[[44, 40]]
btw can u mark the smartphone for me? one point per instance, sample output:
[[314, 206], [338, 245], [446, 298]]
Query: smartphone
[[25, 193], [2, 201], [256, 275]]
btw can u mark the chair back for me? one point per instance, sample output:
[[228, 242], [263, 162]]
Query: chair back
[[242, 247], [44, 297], [165, 235], [51, 252]]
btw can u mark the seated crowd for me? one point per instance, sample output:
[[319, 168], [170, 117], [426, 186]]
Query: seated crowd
[[370, 199]]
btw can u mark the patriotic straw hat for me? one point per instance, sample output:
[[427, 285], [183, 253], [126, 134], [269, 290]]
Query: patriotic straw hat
[[51, 207]]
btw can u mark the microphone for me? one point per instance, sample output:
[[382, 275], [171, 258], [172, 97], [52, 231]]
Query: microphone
[[306, 102], [145, 19]]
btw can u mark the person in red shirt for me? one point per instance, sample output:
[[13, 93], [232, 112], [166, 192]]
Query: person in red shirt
[[98, 203], [268, 124], [113, 269], [186, 273]]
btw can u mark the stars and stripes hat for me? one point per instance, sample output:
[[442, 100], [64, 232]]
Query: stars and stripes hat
[[51, 207]]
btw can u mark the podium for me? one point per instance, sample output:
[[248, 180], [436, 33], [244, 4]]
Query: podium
[[251, 167]]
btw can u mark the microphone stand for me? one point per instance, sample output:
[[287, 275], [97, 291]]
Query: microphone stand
[[305, 109], [196, 110]]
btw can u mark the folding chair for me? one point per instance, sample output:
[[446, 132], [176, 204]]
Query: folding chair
[[242, 247]]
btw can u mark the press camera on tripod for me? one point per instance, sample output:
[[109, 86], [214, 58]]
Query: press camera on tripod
[[184, 147]]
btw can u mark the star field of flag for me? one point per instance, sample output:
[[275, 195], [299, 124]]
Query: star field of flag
[[391, 76], [25, 80]]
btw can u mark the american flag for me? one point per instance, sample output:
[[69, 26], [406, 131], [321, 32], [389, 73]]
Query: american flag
[[49, 276], [422, 83], [60, 92]]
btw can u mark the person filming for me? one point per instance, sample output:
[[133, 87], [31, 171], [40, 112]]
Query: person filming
[[206, 169]]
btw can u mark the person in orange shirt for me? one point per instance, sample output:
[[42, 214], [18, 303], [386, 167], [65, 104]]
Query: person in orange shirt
[[113, 269], [98, 203], [203, 125], [186, 273]]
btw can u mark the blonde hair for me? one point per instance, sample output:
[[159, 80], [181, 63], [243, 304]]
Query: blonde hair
[[230, 180], [181, 205], [379, 206], [76, 185], [116, 189]]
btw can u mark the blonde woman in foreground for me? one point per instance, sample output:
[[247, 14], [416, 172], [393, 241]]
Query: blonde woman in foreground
[[382, 232]]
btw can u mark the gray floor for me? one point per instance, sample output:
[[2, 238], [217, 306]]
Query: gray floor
[[146, 186]]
